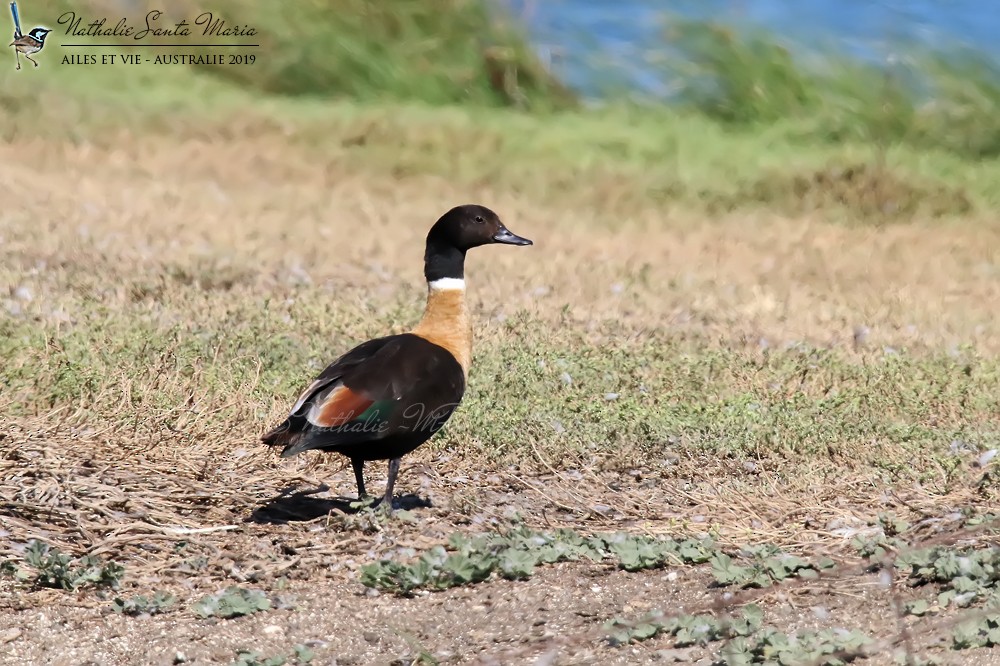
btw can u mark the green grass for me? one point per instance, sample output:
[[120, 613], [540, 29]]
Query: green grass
[[646, 395], [630, 157], [401, 87], [938, 100], [436, 51], [468, 52], [636, 157]]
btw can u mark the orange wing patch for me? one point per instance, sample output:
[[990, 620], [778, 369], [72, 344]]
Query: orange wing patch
[[341, 406]]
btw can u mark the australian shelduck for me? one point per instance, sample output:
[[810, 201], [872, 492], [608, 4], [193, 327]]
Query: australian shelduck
[[387, 396]]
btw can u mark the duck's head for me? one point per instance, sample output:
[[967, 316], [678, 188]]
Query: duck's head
[[460, 229], [469, 226]]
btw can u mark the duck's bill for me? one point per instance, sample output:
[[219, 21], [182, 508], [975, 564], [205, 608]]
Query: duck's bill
[[507, 238]]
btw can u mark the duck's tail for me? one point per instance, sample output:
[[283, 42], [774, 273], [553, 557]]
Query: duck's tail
[[282, 435]]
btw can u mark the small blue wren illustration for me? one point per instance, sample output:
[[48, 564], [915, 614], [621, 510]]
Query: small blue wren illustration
[[33, 42]]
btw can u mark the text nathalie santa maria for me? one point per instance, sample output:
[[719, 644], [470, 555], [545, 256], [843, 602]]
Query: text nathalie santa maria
[[207, 25]]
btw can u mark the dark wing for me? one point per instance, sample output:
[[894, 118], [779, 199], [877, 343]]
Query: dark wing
[[396, 384], [320, 388]]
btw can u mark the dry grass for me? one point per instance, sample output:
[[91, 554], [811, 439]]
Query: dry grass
[[163, 302], [215, 292], [286, 218]]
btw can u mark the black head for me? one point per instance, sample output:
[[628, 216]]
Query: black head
[[458, 230], [465, 227], [39, 33]]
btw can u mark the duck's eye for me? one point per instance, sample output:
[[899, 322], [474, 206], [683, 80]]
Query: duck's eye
[[479, 218]]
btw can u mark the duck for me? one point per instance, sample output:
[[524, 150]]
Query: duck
[[387, 396]]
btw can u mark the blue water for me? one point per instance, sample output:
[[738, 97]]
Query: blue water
[[592, 40]]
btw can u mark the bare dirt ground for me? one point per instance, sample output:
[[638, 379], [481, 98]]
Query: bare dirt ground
[[306, 547], [186, 500]]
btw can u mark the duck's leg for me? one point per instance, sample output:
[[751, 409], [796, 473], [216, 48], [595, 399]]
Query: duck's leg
[[390, 482], [359, 476]]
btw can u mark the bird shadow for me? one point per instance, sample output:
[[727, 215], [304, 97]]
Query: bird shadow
[[300, 506]]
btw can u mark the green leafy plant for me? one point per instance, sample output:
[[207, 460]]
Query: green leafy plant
[[686, 629], [635, 553], [832, 647], [233, 602], [748, 641], [369, 519], [892, 525], [979, 632], [515, 554], [45, 566], [434, 569], [160, 602], [766, 566], [877, 548], [254, 658], [960, 578], [966, 576], [303, 654]]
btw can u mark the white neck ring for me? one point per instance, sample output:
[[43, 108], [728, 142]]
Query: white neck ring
[[447, 283]]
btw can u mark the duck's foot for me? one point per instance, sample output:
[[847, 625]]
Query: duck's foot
[[365, 502], [383, 505]]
